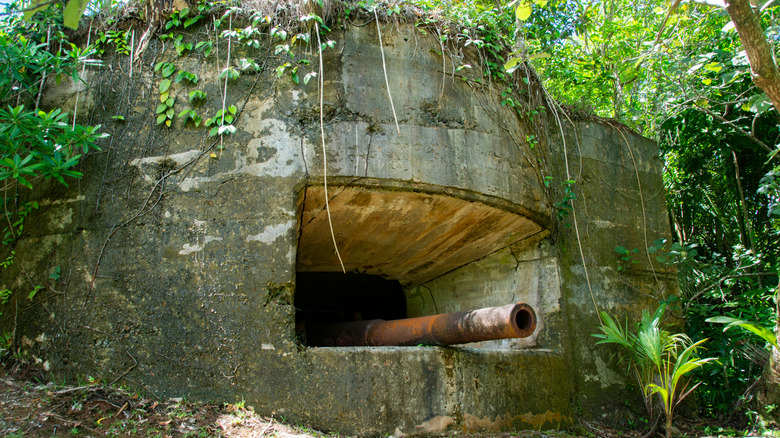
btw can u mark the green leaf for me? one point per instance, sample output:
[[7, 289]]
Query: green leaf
[[512, 64], [771, 155], [161, 118], [230, 73], [24, 182], [35, 7], [32, 293], [280, 69], [655, 389], [540, 55], [165, 85], [226, 129], [621, 250], [197, 94], [764, 333], [523, 10], [311, 17], [192, 20], [759, 103], [208, 45], [613, 332], [73, 12], [168, 70]]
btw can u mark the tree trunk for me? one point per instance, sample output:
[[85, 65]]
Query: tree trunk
[[668, 425], [766, 77], [762, 65], [768, 394]]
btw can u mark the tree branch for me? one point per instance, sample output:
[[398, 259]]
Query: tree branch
[[720, 281], [733, 125], [762, 65]]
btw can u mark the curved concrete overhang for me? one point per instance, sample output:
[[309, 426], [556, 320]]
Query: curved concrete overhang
[[408, 236]]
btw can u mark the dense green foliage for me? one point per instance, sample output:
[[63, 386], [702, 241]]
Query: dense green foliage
[[35, 144]]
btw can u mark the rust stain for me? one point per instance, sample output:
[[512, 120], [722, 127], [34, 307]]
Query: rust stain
[[435, 424], [360, 199], [410, 236], [536, 421]]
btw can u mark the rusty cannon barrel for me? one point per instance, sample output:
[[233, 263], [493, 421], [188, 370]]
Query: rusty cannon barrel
[[509, 321]]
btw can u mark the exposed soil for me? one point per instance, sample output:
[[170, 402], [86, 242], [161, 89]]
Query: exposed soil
[[29, 408]]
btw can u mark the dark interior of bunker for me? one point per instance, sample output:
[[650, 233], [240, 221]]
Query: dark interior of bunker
[[336, 297]]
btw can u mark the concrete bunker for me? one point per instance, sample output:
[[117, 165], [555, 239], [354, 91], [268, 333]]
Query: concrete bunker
[[391, 242], [196, 296]]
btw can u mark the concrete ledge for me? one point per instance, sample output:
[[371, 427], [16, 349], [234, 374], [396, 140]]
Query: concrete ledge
[[382, 390]]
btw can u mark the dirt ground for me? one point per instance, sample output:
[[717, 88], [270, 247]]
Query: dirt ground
[[29, 408]]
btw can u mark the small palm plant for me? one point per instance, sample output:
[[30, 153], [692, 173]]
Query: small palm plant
[[659, 359]]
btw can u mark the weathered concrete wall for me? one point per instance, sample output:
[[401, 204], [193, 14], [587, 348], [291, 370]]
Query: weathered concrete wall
[[614, 165], [178, 252]]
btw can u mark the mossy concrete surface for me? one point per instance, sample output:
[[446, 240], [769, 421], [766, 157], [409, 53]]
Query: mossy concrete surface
[[178, 252]]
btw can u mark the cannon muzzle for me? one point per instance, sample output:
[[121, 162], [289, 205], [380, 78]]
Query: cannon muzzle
[[509, 321]]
